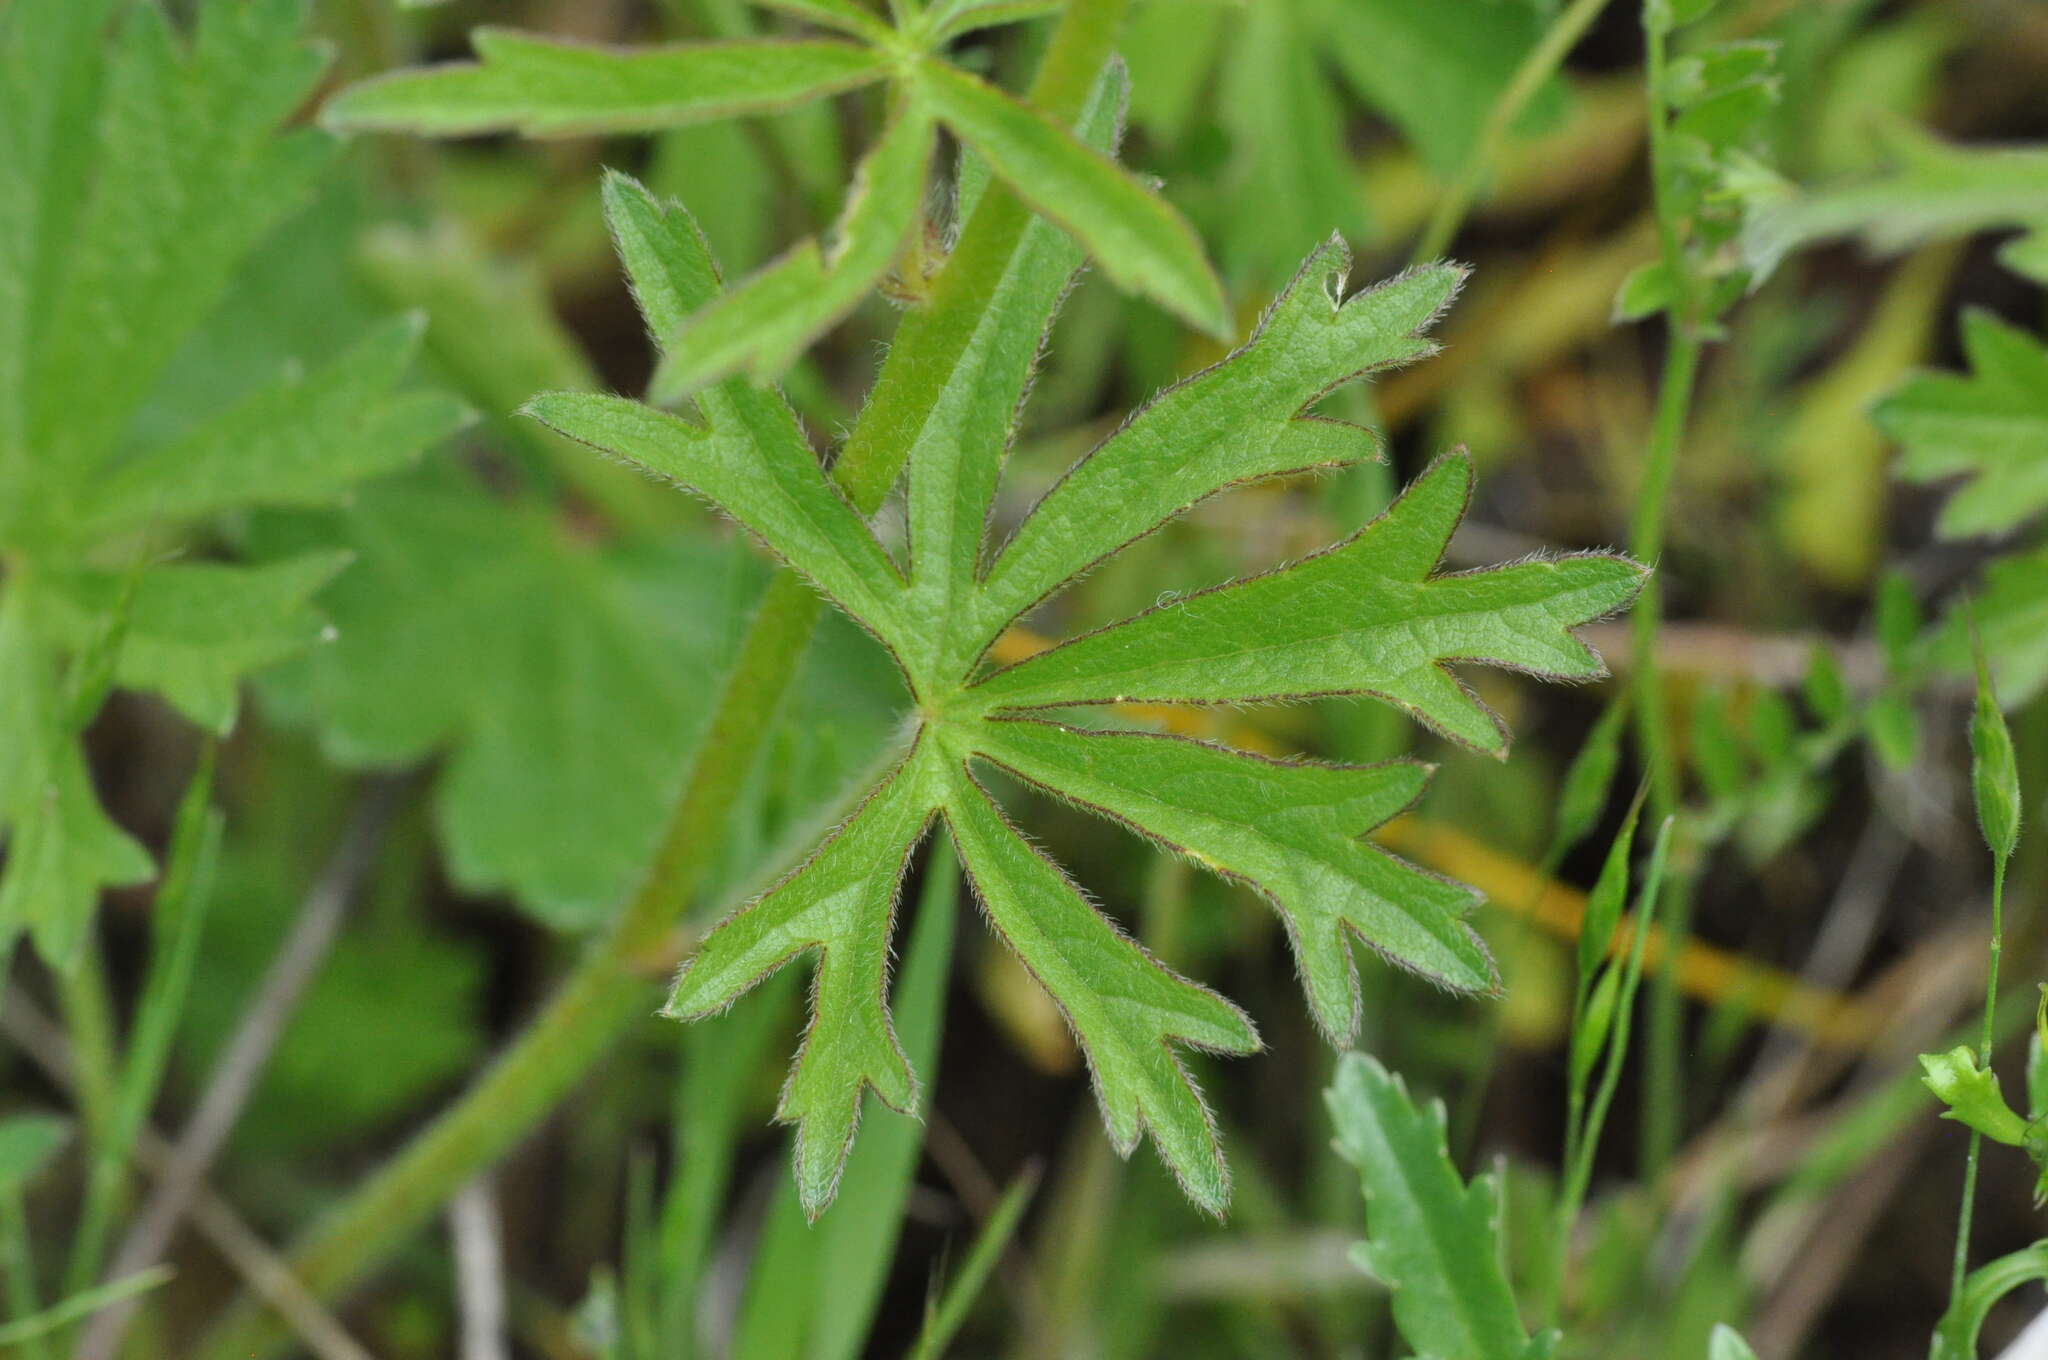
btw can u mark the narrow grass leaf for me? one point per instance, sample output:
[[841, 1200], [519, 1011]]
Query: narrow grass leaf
[[943, 1322], [1609, 895], [1582, 796], [177, 926], [1727, 1344]]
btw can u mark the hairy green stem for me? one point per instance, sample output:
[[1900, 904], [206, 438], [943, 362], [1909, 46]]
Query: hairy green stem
[[1538, 66], [611, 988], [1961, 1266]]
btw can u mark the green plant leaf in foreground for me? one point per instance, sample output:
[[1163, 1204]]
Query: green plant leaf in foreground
[[150, 166], [1431, 1238], [1370, 616], [543, 87]]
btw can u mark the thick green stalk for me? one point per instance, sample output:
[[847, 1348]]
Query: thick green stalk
[[612, 987], [1538, 66], [1961, 1267]]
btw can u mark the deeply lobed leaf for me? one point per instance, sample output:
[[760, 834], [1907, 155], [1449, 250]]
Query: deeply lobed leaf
[[140, 169], [1369, 616], [1989, 428]]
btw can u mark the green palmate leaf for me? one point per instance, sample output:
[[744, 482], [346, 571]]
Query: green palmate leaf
[[1142, 244], [763, 324], [150, 165], [1431, 1238], [50, 78], [515, 649], [189, 173], [545, 88], [783, 497], [193, 630], [1291, 829], [1365, 617], [304, 440], [1990, 428], [848, 16], [549, 88], [957, 447]]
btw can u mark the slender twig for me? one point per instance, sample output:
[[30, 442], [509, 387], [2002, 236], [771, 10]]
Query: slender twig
[[1538, 66], [240, 1245], [242, 1063], [612, 987], [479, 1270]]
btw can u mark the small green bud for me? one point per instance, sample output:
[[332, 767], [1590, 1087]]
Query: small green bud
[[1994, 771]]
